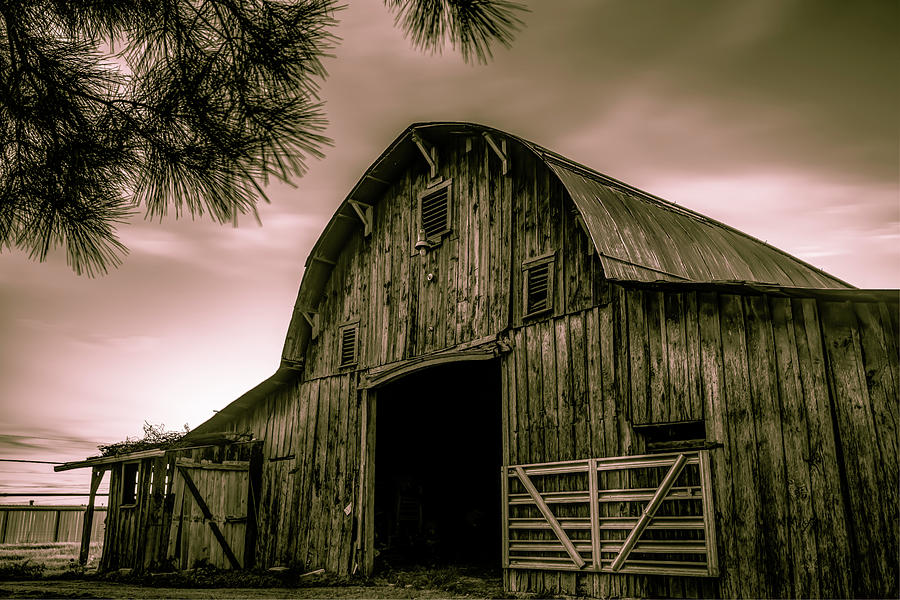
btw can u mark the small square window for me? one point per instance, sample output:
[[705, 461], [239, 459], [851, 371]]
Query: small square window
[[434, 214], [349, 345], [130, 472], [537, 287]]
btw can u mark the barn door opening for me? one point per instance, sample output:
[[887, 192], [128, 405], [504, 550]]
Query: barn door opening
[[437, 455]]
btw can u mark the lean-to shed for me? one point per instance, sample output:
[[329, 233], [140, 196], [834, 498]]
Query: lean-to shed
[[500, 356]]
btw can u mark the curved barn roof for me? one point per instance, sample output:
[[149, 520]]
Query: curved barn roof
[[638, 237]]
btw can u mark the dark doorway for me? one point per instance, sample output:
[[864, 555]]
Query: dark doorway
[[437, 468]]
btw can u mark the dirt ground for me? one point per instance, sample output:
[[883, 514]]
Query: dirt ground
[[51, 571], [100, 589]]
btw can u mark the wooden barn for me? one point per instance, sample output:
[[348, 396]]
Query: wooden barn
[[498, 356]]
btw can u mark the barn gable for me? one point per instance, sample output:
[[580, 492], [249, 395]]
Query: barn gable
[[637, 236]]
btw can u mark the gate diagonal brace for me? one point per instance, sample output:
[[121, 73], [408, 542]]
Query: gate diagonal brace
[[551, 519], [649, 512]]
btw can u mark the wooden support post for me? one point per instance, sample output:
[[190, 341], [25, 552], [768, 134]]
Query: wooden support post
[[56, 526], [649, 511], [427, 152], [201, 504], [88, 523], [369, 511], [593, 491], [550, 518], [709, 515], [504, 498], [499, 150], [253, 491], [361, 525], [364, 212]]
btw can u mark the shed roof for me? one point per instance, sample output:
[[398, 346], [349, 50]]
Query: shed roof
[[639, 237]]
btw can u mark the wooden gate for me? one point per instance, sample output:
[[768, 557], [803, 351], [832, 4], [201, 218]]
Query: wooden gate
[[648, 514], [209, 518]]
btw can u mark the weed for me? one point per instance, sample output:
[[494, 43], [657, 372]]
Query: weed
[[22, 569]]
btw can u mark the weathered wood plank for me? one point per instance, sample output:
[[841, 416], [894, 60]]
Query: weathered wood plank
[[770, 446], [856, 431], [580, 396], [658, 402], [742, 439], [638, 350], [715, 409], [801, 515]]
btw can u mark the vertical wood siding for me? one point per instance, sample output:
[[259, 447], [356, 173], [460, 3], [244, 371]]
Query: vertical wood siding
[[310, 473], [798, 396]]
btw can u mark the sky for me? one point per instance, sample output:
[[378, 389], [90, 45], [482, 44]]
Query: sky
[[777, 117]]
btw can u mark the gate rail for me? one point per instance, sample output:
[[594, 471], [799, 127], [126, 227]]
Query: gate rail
[[650, 514]]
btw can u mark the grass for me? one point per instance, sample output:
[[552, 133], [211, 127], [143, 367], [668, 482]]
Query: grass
[[33, 561]]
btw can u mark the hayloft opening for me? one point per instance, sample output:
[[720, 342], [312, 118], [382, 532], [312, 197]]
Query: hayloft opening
[[437, 468]]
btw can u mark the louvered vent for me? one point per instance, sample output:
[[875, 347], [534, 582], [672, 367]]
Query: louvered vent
[[348, 345], [538, 287], [434, 212]]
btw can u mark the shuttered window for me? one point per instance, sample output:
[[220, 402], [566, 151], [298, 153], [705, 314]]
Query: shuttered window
[[348, 345], [538, 285], [434, 213]]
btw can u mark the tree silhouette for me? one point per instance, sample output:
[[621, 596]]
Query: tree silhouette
[[191, 106]]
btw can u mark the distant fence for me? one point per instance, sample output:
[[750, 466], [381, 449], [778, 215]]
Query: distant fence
[[47, 524]]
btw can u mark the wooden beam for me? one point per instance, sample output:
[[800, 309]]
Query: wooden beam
[[201, 504], [379, 180], [427, 152], [232, 466], [383, 376], [87, 525], [499, 150], [365, 213], [551, 519], [106, 460], [649, 512], [322, 259], [312, 319]]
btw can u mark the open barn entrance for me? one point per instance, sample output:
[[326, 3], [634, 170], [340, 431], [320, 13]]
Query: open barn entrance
[[437, 468]]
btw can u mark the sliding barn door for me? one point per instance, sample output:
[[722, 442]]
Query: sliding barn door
[[648, 514]]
